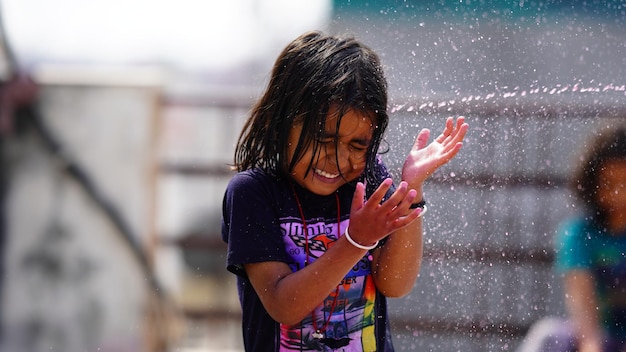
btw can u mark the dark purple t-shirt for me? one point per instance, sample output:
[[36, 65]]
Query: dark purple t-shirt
[[262, 222]]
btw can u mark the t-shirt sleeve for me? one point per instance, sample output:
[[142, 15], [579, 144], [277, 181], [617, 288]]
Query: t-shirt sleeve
[[572, 247], [378, 175], [249, 223]]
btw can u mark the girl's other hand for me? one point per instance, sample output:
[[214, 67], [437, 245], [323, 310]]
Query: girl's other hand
[[372, 220], [424, 159]]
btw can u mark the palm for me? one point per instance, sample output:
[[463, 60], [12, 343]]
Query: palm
[[425, 158]]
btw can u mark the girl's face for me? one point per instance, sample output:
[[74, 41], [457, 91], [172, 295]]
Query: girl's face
[[342, 153], [612, 186]]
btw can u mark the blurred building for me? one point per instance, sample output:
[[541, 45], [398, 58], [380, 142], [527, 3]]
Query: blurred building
[[117, 174]]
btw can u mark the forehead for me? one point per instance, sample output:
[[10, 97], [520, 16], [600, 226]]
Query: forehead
[[350, 123]]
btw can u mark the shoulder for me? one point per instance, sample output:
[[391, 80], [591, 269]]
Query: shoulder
[[251, 180], [579, 228], [376, 174], [573, 233], [254, 184], [571, 225], [579, 236], [379, 165], [249, 177], [574, 244]]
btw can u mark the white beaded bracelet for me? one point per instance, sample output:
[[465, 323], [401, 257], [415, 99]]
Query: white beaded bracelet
[[357, 245], [424, 210]]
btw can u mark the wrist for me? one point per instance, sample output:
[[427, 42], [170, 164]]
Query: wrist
[[418, 188], [420, 204], [357, 244]]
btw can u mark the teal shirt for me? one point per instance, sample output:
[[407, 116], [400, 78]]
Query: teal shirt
[[581, 244]]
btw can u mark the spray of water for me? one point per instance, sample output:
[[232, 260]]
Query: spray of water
[[558, 89]]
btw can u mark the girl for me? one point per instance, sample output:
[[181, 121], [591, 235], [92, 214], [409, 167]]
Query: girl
[[591, 248], [314, 259]]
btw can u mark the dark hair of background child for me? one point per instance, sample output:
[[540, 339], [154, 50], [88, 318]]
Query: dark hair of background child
[[609, 144]]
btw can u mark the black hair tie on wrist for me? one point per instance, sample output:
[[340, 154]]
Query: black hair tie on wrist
[[418, 205]]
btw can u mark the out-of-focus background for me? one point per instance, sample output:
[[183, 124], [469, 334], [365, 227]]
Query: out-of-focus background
[[118, 121]]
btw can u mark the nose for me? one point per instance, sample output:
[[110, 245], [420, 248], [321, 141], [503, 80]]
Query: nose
[[339, 153], [348, 154], [344, 156], [343, 151]]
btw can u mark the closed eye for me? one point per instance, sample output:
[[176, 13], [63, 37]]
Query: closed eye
[[325, 140], [358, 147]]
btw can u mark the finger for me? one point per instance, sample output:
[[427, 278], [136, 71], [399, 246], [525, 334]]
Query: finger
[[457, 135], [406, 220], [460, 121], [449, 154], [449, 127], [463, 127], [460, 127], [422, 139], [395, 201], [380, 192], [359, 196], [451, 149], [402, 207]]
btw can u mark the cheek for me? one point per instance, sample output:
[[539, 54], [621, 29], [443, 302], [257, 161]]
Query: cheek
[[620, 195], [357, 167], [613, 198]]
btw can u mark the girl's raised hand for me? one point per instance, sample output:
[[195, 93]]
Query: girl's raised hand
[[425, 158]]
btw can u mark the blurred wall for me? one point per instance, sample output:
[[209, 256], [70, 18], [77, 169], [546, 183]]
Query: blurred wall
[[73, 281]]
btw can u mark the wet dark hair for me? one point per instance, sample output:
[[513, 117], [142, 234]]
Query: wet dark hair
[[608, 145], [312, 74]]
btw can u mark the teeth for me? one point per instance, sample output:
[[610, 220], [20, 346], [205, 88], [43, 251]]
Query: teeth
[[325, 174]]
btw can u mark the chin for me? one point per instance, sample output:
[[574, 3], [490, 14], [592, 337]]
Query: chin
[[323, 188], [323, 191]]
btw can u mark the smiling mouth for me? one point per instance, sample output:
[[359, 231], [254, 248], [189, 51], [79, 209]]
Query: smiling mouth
[[325, 174]]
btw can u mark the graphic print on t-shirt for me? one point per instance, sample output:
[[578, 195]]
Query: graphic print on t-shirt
[[347, 318]]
